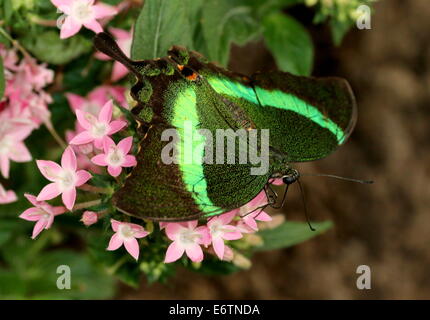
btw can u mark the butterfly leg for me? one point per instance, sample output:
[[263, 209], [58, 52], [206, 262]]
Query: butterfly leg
[[271, 195]]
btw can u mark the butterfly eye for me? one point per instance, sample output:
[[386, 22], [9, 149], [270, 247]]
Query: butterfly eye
[[288, 179], [291, 177]]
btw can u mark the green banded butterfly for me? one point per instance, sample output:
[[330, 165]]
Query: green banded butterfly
[[308, 118]]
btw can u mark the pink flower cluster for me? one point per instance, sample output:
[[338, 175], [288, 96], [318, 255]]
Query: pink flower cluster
[[23, 108], [189, 238], [90, 144], [93, 143]]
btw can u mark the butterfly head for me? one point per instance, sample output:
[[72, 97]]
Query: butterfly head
[[291, 176]]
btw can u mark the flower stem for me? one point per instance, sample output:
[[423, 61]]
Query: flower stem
[[94, 189], [87, 204], [100, 214], [55, 134], [112, 269], [47, 23], [15, 43]]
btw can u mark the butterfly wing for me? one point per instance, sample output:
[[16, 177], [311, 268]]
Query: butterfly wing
[[170, 97], [308, 117], [185, 189]]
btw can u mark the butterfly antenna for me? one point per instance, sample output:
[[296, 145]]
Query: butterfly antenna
[[107, 45], [336, 177], [304, 205]]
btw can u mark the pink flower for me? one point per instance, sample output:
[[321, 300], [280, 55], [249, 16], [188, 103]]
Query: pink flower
[[82, 13], [123, 39], [89, 218], [126, 234], [242, 227], [42, 212], [64, 178], [96, 129], [220, 230], [251, 212], [36, 74], [97, 98], [7, 196], [186, 237], [115, 156], [11, 143], [24, 97]]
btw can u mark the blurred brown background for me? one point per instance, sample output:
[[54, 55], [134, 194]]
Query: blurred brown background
[[385, 225]]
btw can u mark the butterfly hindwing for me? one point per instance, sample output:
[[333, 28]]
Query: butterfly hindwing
[[310, 117]]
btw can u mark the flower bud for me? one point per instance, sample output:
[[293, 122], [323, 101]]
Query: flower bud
[[253, 239], [89, 218], [228, 254], [241, 261]]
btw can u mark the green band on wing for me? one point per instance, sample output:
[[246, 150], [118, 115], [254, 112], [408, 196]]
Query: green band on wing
[[277, 99], [185, 119]]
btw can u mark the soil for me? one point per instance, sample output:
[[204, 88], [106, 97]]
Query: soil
[[384, 225]]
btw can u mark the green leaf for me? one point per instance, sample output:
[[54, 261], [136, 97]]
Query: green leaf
[[224, 22], [48, 47], [339, 30], [2, 82], [291, 233], [7, 10], [161, 24], [289, 43]]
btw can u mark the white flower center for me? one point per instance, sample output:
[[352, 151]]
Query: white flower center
[[82, 11], [99, 129], [67, 180], [125, 231], [215, 229], [188, 236], [115, 157]]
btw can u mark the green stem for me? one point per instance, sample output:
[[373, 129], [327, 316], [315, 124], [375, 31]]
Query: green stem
[[55, 134], [94, 189], [87, 204], [100, 214], [47, 23]]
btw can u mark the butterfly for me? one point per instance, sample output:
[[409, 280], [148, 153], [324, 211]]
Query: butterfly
[[307, 118]]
